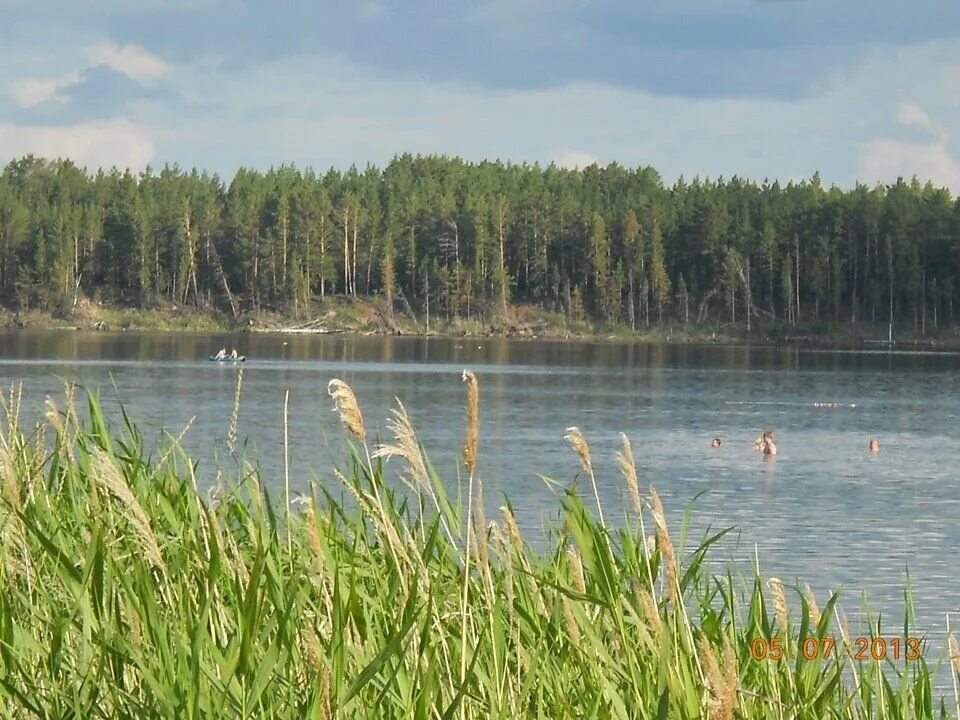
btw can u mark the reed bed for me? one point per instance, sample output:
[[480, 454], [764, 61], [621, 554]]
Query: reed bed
[[127, 592]]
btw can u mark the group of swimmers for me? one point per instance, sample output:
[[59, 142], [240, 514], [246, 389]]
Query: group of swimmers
[[222, 354], [765, 444]]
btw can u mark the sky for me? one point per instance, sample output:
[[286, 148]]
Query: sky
[[857, 90]]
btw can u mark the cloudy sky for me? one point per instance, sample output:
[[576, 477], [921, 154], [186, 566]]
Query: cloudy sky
[[855, 89]]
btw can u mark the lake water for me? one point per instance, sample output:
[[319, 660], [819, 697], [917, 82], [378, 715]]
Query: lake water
[[824, 511]]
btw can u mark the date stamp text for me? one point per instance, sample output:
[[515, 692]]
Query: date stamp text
[[861, 648]]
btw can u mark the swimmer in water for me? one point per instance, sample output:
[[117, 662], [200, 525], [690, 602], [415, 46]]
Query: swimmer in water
[[874, 446], [715, 443], [769, 447]]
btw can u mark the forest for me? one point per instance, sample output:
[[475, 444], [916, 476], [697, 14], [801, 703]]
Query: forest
[[469, 240]]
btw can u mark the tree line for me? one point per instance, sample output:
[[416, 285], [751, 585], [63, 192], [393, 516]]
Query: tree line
[[467, 240]]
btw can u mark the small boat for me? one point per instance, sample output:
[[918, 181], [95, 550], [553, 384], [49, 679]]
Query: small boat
[[239, 358]]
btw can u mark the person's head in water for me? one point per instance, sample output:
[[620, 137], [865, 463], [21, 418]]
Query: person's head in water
[[716, 442], [768, 447], [874, 445]]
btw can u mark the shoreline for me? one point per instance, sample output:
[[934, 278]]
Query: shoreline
[[362, 317]]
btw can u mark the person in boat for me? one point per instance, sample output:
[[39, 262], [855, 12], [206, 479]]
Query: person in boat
[[715, 443], [233, 354], [874, 446], [769, 447], [221, 354]]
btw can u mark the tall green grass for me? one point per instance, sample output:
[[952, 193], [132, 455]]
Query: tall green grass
[[127, 592]]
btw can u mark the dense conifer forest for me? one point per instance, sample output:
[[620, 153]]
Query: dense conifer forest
[[468, 240]]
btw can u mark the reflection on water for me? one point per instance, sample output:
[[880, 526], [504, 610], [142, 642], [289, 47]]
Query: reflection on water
[[824, 511]]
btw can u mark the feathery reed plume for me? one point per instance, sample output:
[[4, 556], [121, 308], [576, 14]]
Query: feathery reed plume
[[669, 559], [130, 614], [480, 528], [53, 416], [650, 545], [210, 520], [61, 425], [954, 653], [416, 478], [648, 608], [812, 604], [346, 405], [311, 649], [779, 603], [731, 683], [580, 446], [711, 670], [513, 531], [407, 448], [13, 539], [473, 421], [313, 537], [110, 477], [576, 570], [629, 469], [470, 460], [573, 629], [40, 449], [722, 683], [8, 471], [69, 404], [235, 414], [254, 488], [516, 541], [325, 708]]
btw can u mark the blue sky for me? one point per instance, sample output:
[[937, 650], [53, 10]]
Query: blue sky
[[760, 88]]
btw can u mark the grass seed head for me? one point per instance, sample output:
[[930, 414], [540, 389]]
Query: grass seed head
[[711, 669], [473, 421], [346, 405], [954, 653], [112, 479], [576, 571], [779, 603], [667, 555], [580, 446], [629, 469], [648, 608], [812, 604], [235, 414], [731, 683], [570, 619], [407, 448]]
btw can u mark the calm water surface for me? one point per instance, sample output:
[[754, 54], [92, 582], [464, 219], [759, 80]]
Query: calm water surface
[[824, 511]]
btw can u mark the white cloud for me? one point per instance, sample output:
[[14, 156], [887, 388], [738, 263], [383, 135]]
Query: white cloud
[[104, 143], [131, 60], [886, 160], [573, 159], [912, 114], [31, 92], [372, 12]]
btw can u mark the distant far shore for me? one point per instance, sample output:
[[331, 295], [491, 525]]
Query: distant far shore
[[368, 317]]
